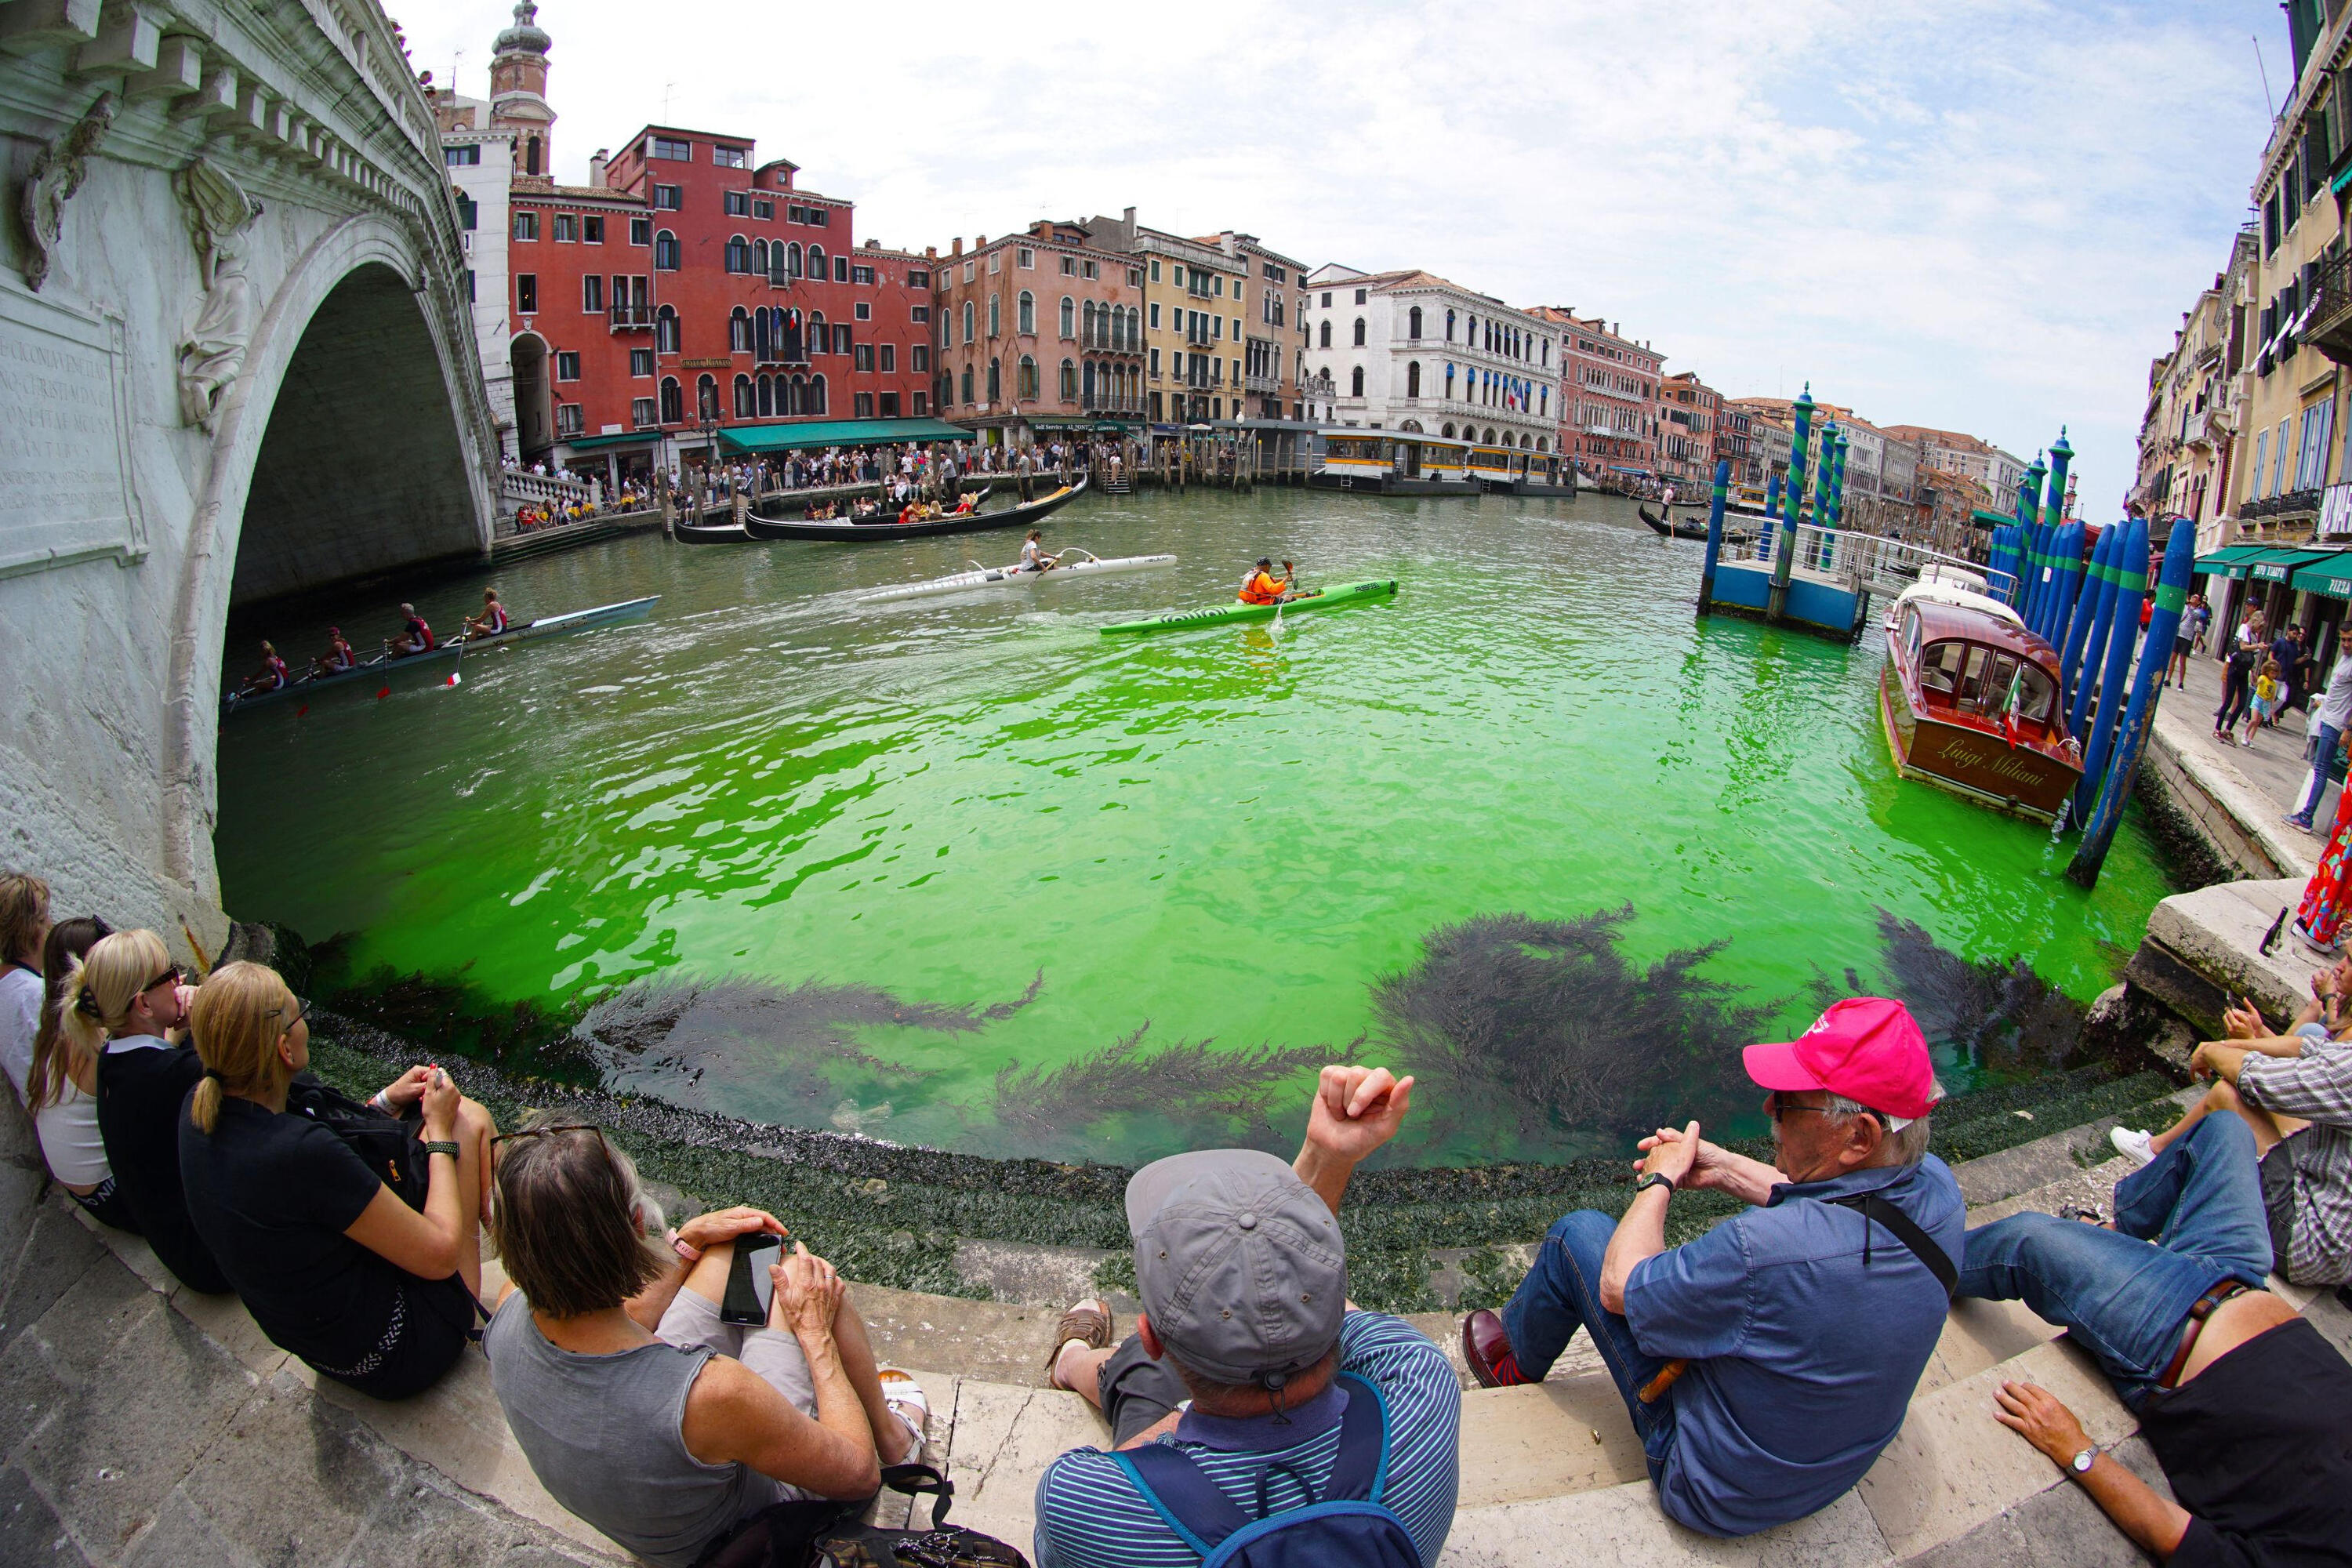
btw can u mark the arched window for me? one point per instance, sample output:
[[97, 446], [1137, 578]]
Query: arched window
[[530, 156], [1070, 381], [1449, 326], [739, 331], [996, 381], [1326, 342], [747, 404], [1086, 384], [1543, 443], [1069, 316], [665, 333], [1490, 435], [819, 341], [760, 256], [1449, 380], [1356, 382], [1086, 324], [673, 409], [706, 396], [664, 252], [967, 326], [794, 259], [1360, 331], [816, 392], [767, 397], [967, 384], [796, 401], [738, 254], [1448, 431], [1028, 378], [817, 261], [1027, 314], [1412, 377], [1413, 323], [996, 315], [778, 275]]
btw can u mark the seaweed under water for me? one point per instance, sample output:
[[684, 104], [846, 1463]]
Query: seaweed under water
[[1209, 1093], [1999, 1018]]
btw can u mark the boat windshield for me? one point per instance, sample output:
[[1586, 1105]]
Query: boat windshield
[[1989, 682]]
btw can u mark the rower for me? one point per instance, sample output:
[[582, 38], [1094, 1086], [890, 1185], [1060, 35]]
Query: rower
[[1032, 553], [338, 659], [1263, 587], [414, 637], [270, 676], [493, 618]]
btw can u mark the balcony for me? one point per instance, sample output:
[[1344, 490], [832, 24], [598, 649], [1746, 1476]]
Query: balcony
[[1262, 383], [2201, 428], [2327, 326], [632, 318]]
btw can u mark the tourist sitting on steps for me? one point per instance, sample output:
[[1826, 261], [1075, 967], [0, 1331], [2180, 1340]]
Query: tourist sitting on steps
[[24, 929], [639, 1409], [61, 1091], [1249, 1390], [335, 1264], [2243, 1400], [1756, 1399], [2294, 1092], [127, 997]]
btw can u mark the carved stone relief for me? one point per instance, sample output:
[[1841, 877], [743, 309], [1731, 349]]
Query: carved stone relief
[[57, 173], [212, 351]]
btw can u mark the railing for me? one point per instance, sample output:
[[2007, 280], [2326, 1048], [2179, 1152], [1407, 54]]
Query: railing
[[632, 318], [520, 489], [2327, 326], [1262, 383], [1884, 566]]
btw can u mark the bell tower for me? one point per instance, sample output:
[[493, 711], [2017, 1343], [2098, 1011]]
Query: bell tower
[[518, 93]]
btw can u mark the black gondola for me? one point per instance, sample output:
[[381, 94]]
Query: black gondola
[[1682, 528], [732, 533], [772, 529]]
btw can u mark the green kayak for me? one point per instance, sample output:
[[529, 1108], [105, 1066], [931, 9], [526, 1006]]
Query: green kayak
[[1343, 594]]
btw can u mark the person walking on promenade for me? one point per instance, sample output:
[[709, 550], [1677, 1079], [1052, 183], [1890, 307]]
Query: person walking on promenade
[[2329, 722], [2270, 695], [2237, 684], [2242, 1399], [2192, 626], [1755, 1400]]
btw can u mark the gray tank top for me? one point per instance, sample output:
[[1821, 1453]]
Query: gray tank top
[[602, 1432]]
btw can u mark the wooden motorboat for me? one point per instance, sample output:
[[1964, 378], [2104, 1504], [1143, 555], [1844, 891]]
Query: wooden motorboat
[[387, 664], [1973, 703], [886, 526]]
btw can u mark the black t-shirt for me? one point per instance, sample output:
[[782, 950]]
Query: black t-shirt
[[140, 1095], [273, 1194], [2258, 1446]]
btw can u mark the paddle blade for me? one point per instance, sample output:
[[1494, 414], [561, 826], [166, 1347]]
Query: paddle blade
[[383, 692], [454, 678], [300, 711]]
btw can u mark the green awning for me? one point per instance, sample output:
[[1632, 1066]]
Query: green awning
[[598, 443], [1983, 519], [2230, 562], [2329, 575], [801, 436], [2279, 564]]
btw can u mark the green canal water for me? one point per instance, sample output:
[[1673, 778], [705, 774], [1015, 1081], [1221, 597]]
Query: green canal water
[[961, 872]]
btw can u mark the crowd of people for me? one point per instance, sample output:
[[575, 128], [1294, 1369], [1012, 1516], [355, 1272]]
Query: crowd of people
[[1764, 1365]]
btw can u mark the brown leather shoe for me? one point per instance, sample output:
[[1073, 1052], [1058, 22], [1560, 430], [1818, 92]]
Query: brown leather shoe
[[1488, 1348]]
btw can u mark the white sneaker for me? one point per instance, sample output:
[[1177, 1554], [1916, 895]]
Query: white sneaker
[[2133, 1146]]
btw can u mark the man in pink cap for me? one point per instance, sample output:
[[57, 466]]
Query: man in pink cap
[[1767, 1363]]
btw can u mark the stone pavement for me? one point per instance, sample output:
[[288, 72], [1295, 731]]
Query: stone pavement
[[2237, 795]]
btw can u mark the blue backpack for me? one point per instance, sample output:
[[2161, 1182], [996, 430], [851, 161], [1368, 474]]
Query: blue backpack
[[1347, 1524]]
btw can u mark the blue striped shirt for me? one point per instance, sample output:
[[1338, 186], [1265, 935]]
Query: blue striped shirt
[[1089, 1515]]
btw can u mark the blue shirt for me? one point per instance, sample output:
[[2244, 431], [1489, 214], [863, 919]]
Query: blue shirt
[[1803, 1357], [1089, 1515]]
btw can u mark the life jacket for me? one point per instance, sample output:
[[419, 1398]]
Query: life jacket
[[1260, 588]]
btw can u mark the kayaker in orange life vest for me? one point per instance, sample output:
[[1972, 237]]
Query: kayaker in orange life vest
[[1263, 587]]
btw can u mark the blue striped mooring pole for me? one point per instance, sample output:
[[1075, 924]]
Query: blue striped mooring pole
[[2171, 594], [2071, 658], [2130, 569], [1713, 535], [1784, 552]]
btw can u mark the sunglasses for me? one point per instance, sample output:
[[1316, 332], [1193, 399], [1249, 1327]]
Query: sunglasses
[[301, 1013], [171, 976]]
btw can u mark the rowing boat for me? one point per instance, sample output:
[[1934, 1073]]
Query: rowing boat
[[1321, 599], [884, 527], [387, 664], [987, 576]]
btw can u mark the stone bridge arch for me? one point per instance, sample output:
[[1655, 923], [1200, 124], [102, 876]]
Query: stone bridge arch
[[236, 359]]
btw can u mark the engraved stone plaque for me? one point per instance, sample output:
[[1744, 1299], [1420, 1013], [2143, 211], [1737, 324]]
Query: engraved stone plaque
[[66, 491]]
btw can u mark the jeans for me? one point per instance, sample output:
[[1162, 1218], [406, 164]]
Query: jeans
[[2323, 757], [1562, 1293], [2184, 1223]]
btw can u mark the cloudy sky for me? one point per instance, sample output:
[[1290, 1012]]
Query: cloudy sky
[[1982, 216]]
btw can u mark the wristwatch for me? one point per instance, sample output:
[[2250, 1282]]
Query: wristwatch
[[685, 1249], [2080, 1463], [1654, 1179], [440, 1147]]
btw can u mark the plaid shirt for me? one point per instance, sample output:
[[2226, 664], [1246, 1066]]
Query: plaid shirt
[[2317, 1087]]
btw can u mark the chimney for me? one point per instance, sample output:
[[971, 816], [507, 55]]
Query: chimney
[[1128, 217], [931, 253], [957, 249], [980, 242], [596, 165]]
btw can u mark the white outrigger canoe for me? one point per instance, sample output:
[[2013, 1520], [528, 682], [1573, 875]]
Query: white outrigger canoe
[[988, 576]]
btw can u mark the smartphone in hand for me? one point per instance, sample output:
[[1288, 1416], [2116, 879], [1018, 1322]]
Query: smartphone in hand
[[750, 1289]]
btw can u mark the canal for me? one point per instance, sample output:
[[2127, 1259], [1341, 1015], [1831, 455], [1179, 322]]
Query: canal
[[959, 871]]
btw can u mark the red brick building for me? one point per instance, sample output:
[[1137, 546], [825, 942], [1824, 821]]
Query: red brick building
[[1688, 413], [1609, 411], [1039, 331], [688, 283]]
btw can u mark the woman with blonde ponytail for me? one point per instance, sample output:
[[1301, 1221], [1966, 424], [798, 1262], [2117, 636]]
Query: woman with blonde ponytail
[[62, 1090], [332, 1261], [122, 1002]]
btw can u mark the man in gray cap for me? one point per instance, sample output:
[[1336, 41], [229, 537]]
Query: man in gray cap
[[1246, 1359]]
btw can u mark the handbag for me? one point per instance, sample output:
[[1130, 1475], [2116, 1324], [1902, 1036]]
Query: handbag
[[391, 1146], [816, 1534]]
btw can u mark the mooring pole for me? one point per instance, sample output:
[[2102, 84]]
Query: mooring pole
[[2038, 551], [2123, 628], [2070, 583], [1713, 535], [2171, 594], [1784, 549], [2078, 653]]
